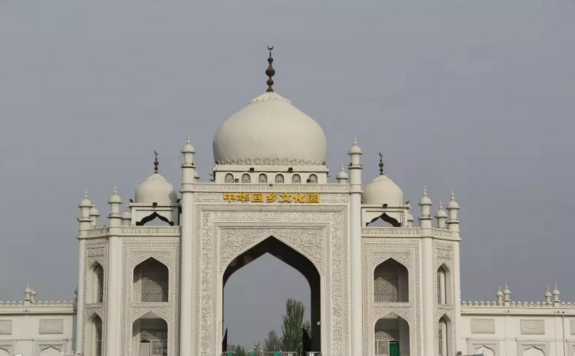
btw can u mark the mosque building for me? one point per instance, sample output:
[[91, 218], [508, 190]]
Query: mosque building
[[375, 290]]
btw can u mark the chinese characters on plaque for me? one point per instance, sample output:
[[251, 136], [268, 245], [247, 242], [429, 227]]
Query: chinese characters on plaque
[[272, 198]]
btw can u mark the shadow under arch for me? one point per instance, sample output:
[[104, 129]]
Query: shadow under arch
[[297, 261]]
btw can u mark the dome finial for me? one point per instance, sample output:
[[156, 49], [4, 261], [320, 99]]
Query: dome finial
[[188, 140], [380, 164], [270, 72], [156, 163]]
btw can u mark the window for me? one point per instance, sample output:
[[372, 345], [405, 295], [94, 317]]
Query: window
[[229, 178], [151, 282], [279, 178], [246, 178], [296, 178], [390, 282], [262, 178]]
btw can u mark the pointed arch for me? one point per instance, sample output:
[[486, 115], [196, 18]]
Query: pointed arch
[[485, 351], [533, 351], [150, 335], [93, 336], [391, 336], [155, 219], [50, 351], [445, 343], [151, 282], [444, 285], [95, 284], [4, 352], [391, 282]]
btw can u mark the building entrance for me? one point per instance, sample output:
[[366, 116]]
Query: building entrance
[[300, 263]]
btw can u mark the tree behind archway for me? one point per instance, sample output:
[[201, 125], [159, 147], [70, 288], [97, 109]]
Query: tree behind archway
[[292, 326]]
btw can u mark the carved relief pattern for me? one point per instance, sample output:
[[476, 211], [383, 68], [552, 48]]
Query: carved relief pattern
[[267, 161], [5, 327], [374, 253], [391, 231], [220, 229], [151, 230], [483, 326], [135, 251], [51, 326], [532, 327], [237, 241], [218, 187]]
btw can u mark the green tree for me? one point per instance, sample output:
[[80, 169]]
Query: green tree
[[293, 324], [236, 350], [272, 342]]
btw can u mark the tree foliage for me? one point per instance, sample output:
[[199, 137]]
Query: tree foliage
[[236, 350], [293, 324], [272, 342]]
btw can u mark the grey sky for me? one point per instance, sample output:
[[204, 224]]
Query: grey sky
[[477, 96]]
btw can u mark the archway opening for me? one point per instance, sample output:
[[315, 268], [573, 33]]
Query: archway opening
[[445, 343], [391, 282], [268, 280], [93, 337], [391, 336], [150, 336]]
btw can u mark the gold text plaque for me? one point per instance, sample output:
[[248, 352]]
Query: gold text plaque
[[298, 198]]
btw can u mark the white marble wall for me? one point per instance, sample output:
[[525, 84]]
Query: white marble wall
[[25, 330], [518, 331]]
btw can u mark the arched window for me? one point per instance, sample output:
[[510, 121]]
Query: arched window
[[229, 178], [296, 178], [93, 339], [151, 282], [246, 178], [533, 351], [443, 287], [50, 351], [279, 178], [391, 336], [150, 334], [444, 337], [95, 284], [391, 282], [262, 178], [485, 351], [312, 178]]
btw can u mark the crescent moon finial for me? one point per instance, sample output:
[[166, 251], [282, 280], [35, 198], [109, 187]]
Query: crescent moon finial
[[270, 72]]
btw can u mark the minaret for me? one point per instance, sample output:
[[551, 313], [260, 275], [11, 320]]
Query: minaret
[[187, 247], [441, 216], [499, 297], [342, 177], [113, 299], [428, 276], [556, 301], [453, 208], [356, 276], [506, 296], [548, 297], [28, 295], [85, 225], [94, 214]]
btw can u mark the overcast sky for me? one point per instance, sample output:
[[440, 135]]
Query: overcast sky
[[476, 96]]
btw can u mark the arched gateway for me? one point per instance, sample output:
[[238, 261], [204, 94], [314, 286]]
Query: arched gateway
[[159, 290]]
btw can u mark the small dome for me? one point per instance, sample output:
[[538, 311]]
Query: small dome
[[452, 203], [93, 210], [499, 293], [425, 199], [355, 150], [156, 189], [270, 131], [115, 198], [382, 190], [188, 148], [441, 213], [342, 174], [85, 203]]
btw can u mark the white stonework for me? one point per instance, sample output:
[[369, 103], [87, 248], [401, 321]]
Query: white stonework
[[393, 290]]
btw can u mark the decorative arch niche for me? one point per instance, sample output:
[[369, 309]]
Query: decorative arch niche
[[391, 282], [485, 351], [93, 339], [95, 284], [151, 282], [444, 286], [445, 344]]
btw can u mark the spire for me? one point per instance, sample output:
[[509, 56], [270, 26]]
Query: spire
[[156, 163], [270, 72], [380, 164]]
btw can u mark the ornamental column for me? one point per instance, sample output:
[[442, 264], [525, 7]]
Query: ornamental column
[[114, 295], [428, 273], [356, 275], [187, 254], [85, 225]]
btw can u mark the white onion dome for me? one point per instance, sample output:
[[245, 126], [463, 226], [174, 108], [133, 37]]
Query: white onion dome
[[188, 148], [382, 190], [156, 189], [425, 199], [556, 291], [115, 198], [270, 131], [355, 150], [452, 203], [499, 292], [548, 294], [441, 213], [342, 174], [85, 203]]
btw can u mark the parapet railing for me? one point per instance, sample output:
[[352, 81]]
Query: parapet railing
[[518, 304], [36, 303]]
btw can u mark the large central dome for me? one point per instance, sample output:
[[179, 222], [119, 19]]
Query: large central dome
[[270, 131]]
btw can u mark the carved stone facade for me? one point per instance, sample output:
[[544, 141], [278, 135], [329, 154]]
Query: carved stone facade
[[318, 232]]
